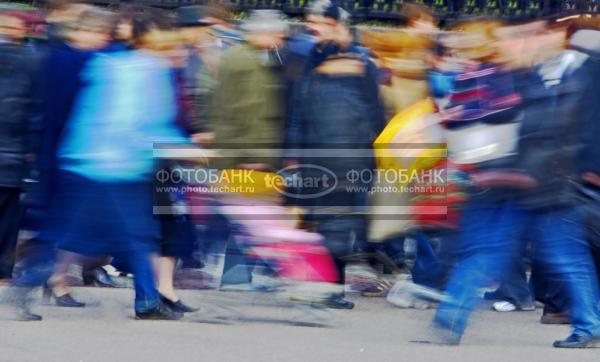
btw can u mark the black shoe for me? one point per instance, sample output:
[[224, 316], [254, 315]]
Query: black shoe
[[68, 301], [577, 341], [337, 302], [20, 299], [98, 276], [555, 318], [192, 263], [177, 306], [158, 313], [65, 300], [26, 316], [441, 336]]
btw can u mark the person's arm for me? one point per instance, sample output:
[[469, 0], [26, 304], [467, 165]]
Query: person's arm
[[589, 111], [294, 129], [227, 103], [375, 107], [199, 88], [35, 111]]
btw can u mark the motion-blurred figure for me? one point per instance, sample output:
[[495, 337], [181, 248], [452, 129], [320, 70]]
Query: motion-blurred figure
[[207, 35], [19, 131], [84, 35], [103, 199], [248, 102], [336, 105], [177, 233], [538, 201], [247, 113]]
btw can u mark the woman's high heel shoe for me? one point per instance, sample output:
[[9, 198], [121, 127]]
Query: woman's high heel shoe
[[65, 300], [177, 306]]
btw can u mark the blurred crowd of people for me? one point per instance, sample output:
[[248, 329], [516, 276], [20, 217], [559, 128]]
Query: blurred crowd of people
[[86, 94]]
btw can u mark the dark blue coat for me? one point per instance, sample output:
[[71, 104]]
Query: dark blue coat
[[18, 122], [336, 111]]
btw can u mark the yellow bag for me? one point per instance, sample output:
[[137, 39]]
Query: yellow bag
[[417, 131], [411, 141]]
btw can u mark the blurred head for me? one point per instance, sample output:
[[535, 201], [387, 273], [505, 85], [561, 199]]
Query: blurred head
[[192, 22], [12, 27], [472, 41], [265, 29], [91, 30], [123, 30], [153, 30], [420, 17], [329, 23], [524, 45], [65, 11]]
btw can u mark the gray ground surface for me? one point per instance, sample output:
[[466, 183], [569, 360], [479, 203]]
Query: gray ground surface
[[374, 331]]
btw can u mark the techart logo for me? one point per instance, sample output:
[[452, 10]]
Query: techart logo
[[303, 181]]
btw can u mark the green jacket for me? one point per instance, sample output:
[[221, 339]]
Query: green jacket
[[247, 110]]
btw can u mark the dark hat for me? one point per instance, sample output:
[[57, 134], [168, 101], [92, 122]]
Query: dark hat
[[194, 15], [330, 9]]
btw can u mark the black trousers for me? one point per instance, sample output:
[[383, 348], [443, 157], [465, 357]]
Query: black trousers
[[9, 227]]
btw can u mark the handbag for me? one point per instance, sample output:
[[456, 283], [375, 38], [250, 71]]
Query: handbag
[[412, 141]]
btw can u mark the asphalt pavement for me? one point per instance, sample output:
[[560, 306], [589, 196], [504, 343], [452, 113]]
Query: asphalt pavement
[[261, 330]]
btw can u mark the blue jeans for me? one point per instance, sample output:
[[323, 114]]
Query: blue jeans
[[146, 295], [514, 286], [431, 267], [549, 292], [489, 241]]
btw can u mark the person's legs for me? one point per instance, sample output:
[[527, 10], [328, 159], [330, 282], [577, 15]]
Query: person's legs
[[489, 231], [58, 281], [446, 252], [337, 234], [549, 292], [394, 248], [555, 300], [134, 234], [57, 287], [341, 227], [237, 268], [9, 221], [177, 238], [36, 266], [596, 256], [556, 305], [165, 272], [514, 287], [427, 269], [146, 294], [565, 252], [93, 272]]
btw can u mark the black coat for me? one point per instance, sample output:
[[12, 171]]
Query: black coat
[[550, 144], [19, 124], [336, 111]]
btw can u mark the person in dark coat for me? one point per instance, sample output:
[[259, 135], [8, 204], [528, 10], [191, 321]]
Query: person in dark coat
[[18, 132], [336, 106], [546, 212]]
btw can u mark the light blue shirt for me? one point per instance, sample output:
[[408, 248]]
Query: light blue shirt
[[127, 104]]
